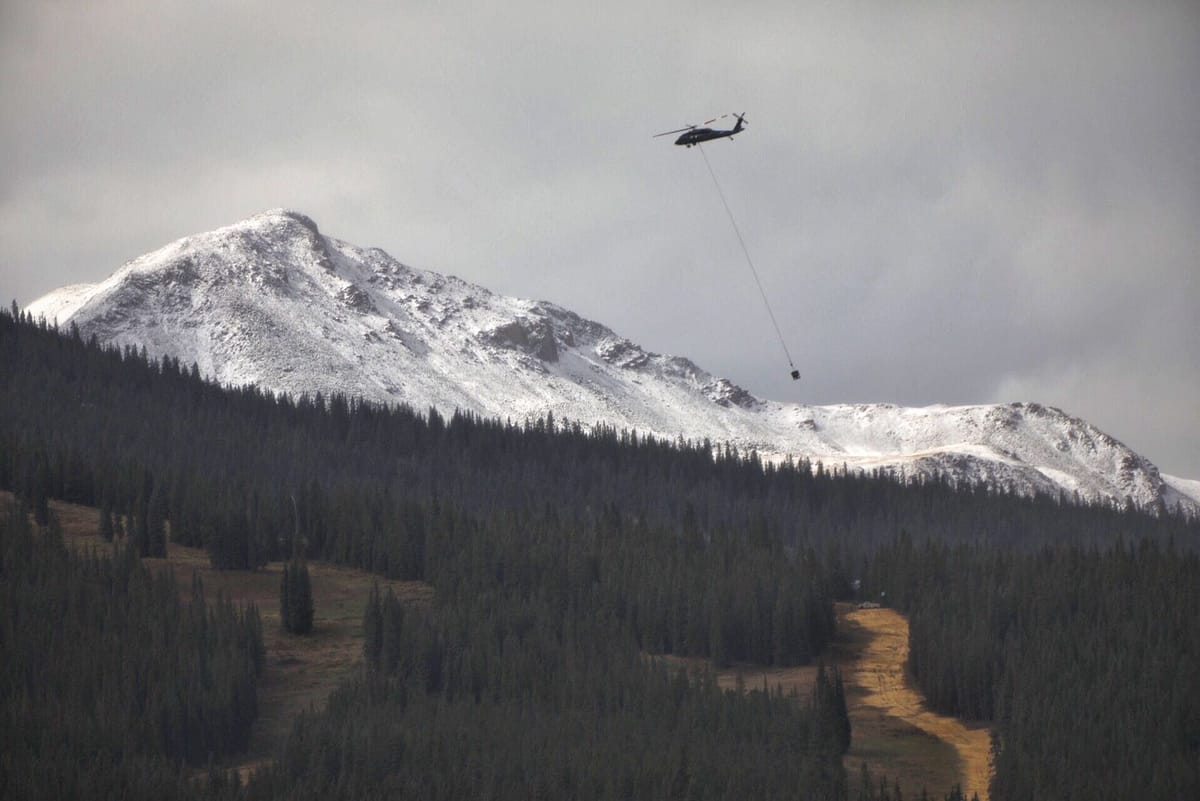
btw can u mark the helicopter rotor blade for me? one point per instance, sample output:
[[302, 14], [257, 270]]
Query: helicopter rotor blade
[[677, 130], [741, 116]]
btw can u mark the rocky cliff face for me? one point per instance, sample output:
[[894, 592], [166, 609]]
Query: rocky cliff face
[[272, 301]]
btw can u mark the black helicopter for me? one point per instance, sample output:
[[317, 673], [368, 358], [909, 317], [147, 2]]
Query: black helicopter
[[694, 135]]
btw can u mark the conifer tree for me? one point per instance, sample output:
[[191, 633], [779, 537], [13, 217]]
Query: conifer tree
[[841, 710], [38, 491], [285, 599], [391, 632], [107, 531], [302, 615], [156, 530], [141, 529], [295, 598], [373, 628]]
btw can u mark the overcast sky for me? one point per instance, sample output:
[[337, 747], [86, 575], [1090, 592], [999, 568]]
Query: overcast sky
[[949, 203]]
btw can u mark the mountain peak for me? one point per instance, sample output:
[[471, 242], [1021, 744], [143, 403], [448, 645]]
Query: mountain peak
[[289, 214], [272, 301]]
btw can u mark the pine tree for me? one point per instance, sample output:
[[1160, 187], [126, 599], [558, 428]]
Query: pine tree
[[285, 599], [141, 529], [373, 629], [841, 712], [156, 529], [295, 598], [302, 617], [107, 530], [391, 632], [39, 491]]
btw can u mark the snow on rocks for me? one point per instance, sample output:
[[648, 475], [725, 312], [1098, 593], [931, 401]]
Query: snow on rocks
[[272, 301]]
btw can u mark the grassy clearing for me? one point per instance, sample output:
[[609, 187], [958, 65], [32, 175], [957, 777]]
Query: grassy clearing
[[894, 730], [300, 671]]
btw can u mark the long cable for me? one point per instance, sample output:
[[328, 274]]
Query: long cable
[[749, 261]]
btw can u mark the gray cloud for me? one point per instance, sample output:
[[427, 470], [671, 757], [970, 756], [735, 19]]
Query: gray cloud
[[952, 203]]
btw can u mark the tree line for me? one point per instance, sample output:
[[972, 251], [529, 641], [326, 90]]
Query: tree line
[[244, 473]]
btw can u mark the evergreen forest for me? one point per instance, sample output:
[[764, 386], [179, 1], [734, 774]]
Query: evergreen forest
[[110, 685], [562, 558]]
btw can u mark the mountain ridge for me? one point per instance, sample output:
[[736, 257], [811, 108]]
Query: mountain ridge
[[272, 301]]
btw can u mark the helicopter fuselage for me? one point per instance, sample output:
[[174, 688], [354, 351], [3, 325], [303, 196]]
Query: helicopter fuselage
[[699, 135]]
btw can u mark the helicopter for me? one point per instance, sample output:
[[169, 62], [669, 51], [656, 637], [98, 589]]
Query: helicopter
[[694, 135]]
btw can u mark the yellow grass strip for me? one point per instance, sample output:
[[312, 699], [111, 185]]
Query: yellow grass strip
[[881, 681]]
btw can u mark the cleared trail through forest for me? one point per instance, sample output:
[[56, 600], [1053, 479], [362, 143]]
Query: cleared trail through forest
[[878, 678]]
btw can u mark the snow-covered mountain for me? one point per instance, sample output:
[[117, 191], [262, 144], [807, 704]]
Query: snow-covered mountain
[[272, 301]]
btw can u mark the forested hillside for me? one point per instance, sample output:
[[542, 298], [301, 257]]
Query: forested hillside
[[561, 558], [107, 681], [535, 687], [1087, 661]]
